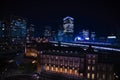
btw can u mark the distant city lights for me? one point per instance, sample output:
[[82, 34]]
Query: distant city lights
[[111, 37], [78, 38]]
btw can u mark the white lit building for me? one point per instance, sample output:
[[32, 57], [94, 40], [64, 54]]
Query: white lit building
[[68, 25]]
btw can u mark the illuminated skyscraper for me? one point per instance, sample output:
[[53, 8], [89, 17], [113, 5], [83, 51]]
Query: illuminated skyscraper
[[18, 29], [30, 48], [68, 25]]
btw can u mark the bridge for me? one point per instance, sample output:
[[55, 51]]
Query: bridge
[[94, 45]]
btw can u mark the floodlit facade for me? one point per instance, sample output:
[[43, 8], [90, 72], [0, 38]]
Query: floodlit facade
[[72, 63]]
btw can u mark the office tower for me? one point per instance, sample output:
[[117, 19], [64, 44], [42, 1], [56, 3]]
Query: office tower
[[60, 35], [30, 34], [18, 29], [30, 48], [68, 25]]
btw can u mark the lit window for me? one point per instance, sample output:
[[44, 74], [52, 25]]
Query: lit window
[[66, 51], [89, 61], [88, 67], [52, 68], [65, 70], [56, 57], [88, 75], [70, 71], [75, 72], [93, 61], [93, 68], [93, 76], [60, 69], [81, 74], [93, 56], [57, 50], [3, 28], [56, 69], [53, 50], [97, 75], [103, 76], [47, 67], [71, 51]]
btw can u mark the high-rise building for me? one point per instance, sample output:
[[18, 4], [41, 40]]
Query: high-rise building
[[18, 29], [30, 48], [5, 38], [60, 35], [5, 32], [12, 34], [68, 25], [30, 34]]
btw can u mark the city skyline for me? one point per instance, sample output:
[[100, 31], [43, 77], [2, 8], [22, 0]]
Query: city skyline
[[101, 17], [59, 40]]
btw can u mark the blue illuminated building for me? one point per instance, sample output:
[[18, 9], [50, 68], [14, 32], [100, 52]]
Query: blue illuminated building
[[18, 29], [83, 36], [78, 38], [68, 25], [60, 35]]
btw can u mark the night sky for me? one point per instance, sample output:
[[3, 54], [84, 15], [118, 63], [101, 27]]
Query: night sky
[[103, 17]]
